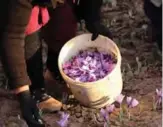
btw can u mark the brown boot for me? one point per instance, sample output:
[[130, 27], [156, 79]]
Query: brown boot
[[50, 105], [45, 102]]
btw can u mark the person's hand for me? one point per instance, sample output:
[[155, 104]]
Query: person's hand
[[29, 110], [97, 28]]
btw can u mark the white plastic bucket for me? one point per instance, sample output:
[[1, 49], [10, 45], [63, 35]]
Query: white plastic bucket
[[99, 93]]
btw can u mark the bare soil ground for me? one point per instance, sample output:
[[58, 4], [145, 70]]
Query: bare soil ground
[[141, 68]]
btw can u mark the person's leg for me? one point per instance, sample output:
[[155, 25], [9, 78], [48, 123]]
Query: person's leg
[[154, 13], [61, 28], [34, 61], [33, 52]]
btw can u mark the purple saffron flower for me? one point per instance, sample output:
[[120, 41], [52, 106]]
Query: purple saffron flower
[[159, 96], [102, 73], [84, 78], [84, 67], [78, 79], [159, 92], [67, 65], [132, 102], [64, 120], [110, 108], [105, 114], [66, 71], [88, 59], [105, 65], [85, 62], [90, 53], [128, 100], [93, 63], [119, 98], [92, 77]]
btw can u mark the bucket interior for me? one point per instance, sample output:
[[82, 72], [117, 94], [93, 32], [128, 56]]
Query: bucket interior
[[83, 42]]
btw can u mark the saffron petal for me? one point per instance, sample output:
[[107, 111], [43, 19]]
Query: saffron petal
[[120, 98]]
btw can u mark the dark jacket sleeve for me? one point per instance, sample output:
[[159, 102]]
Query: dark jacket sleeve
[[13, 42], [89, 10]]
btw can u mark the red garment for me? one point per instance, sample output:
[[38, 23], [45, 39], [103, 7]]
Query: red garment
[[33, 24]]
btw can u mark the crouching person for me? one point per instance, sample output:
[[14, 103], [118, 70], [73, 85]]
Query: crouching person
[[22, 57]]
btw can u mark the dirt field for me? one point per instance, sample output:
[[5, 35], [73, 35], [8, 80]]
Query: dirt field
[[141, 68]]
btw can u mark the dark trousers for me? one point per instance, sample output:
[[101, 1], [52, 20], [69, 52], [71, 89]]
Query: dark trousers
[[33, 53], [155, 15], [56, 33]]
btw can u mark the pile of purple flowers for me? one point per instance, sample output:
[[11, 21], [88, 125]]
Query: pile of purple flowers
[[89, 66]]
